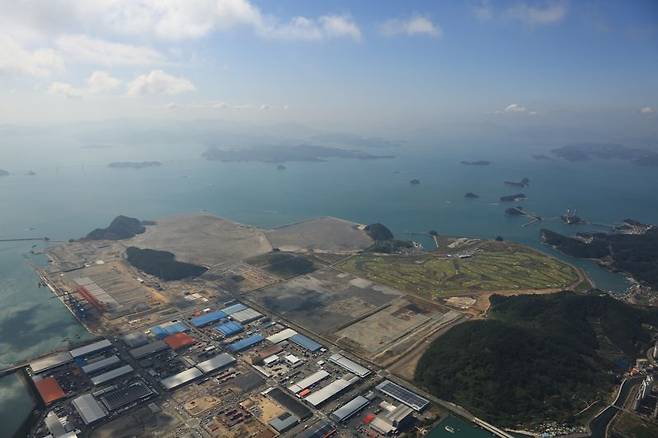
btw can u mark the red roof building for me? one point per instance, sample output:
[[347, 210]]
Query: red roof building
[[49, 390], [179, 340]]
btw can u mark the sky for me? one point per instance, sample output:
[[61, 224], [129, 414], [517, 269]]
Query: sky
[[517, 64]]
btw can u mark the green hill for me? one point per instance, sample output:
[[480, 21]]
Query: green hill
[[537, 358], [162, 264], [122, 227]]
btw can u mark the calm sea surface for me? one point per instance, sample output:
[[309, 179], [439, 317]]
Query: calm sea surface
[[68, 199]]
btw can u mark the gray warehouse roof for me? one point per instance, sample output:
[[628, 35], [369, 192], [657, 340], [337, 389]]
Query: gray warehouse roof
[[246, 315], [91, 348], [181, 378], [331, 390], [101, 364], [148, 349], [350, 408], [50, 361], [111, 375], [284, 422], [217, 362], [88, 408], [349, 365]]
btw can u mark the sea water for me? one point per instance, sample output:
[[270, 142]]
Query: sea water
[[71, 195]]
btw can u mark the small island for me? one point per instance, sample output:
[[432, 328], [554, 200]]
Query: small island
[[285, 153], [122, 227], [523, 183], [4, 172], [570, 218], [280, 167], [134, 164], [31, 173], [541, 157], [514, 198], [476, 163], [414, 182], [471, 195], [515, 211]]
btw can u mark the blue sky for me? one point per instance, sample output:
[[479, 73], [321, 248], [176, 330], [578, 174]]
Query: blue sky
[[360, 63]]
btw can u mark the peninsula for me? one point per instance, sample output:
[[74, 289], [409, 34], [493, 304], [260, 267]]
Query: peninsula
[[282, 154]]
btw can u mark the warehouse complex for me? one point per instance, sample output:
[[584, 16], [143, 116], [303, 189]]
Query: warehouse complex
[[237, 351]]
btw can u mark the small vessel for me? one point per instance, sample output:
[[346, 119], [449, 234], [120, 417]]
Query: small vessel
[[450, 429]]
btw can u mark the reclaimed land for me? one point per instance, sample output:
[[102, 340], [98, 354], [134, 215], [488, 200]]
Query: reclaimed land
[[537, 357], [493, 266]]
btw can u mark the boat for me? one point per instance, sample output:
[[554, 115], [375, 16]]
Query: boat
[[450, 429]]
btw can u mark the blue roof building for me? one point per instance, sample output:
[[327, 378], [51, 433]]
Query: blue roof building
[[229, 328], [207, 318], [246, 343], [304, 342], [164, 330]]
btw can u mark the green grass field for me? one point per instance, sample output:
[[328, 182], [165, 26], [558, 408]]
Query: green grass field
[[495, 267]]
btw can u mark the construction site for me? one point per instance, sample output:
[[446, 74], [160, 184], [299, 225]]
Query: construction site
[[247, 348]]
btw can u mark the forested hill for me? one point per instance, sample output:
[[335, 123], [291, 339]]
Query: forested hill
[[537, 357], [636, 254]]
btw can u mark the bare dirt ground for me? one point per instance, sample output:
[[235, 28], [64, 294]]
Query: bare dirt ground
[[203, 239], [325, 234]]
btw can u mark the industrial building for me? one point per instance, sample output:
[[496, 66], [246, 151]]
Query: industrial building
[[284, 422], [403, 395], [54, 425], [94, 347], [220, 361], [350, 408], [51, 361], [230, 328], [289, 403], [246, 343], [124, 396], [101, 365], [179, 340], [331, 390], [111, 375], [391, 419], [306, 343], [349, 365], [148, 349], [135, 339], [96, 295], [246, 316], [49, 389], [181, 378], [281, 336], [321, 429], [309, 381], [171, 328], [207, 318], [88, 408], [230, 310]]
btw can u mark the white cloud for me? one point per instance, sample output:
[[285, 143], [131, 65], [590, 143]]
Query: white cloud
[[528, 12], [99, 82], [159, 82], [102, 82], [308, 29], [483, 10], [65, 89], [515, 108], [549, 12], [647, 110], [94, 51], [417, 25], [16, 59]]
